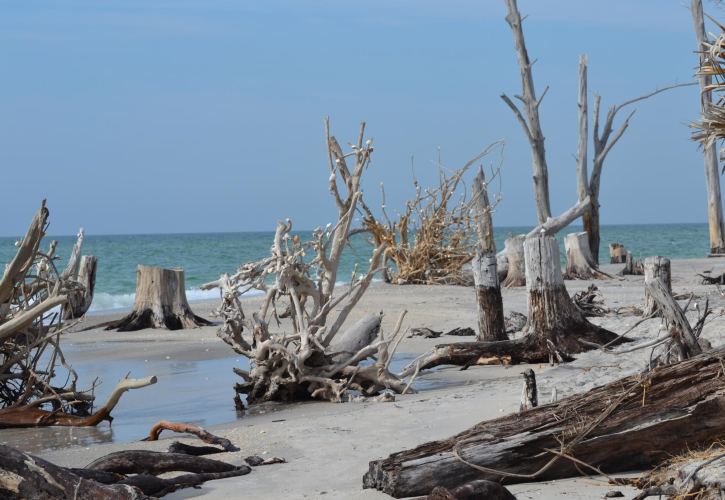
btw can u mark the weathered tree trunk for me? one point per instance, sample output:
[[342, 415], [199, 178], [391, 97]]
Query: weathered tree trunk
[[579, 261], [529, 394], [630, 424], [488, 294], [79, 302], [617, 253], [632, 267], [683, 338], [655, 267], [515, 253], [359, 335], [554, 324], [502, 265], [160, 302], [712, 176]]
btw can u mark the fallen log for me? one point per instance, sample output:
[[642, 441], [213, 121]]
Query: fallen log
[[156, 462], [477, 490], [630, 424]]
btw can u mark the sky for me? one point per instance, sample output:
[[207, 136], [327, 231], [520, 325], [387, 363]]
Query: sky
[[207, 116]]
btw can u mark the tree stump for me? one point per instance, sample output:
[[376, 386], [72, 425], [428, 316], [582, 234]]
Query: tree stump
[[515, 253], [579, 261], [502, 265], [655, 267], [617, 253], [160, 302], [488, 293], [79, 302], [632, 267], [529, 394]]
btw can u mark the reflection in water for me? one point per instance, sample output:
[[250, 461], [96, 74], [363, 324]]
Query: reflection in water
[[193, 392]]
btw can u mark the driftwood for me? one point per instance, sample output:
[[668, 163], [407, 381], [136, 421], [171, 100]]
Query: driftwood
[[579, 261], [630, 424], [301, 363], [529, 394], [160, 303], [80, 301], [617, 253], [476, 490], [357, 337], [632, 267], [428, 333], [590, 302], [190, 429], [655, 267], [712, 280]]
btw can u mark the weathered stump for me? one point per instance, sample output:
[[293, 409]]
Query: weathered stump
[[529, 394], [632, 267], [80, 301], [502, 265], [488, 294], [160, 302], [655, 267], [579, 261], [515, 252], [617, 253]]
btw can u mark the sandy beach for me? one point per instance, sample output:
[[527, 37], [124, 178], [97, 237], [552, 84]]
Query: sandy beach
[[328, 446]]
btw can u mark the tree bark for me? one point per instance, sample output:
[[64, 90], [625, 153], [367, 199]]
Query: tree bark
[[488, 294], [712, 176], [160, 302], [579, 261], [515, 252], [631, 424], [617, 253], [79, 302], [655, 267]]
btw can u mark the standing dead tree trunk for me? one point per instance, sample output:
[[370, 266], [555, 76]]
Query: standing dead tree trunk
[[632, 267], [485, 273], [579, 261], [530, 125], [655, 267], [516, 275], [160, 302], [80, 301], [629, 424], [529, 394], [617, 253], [712, 177]]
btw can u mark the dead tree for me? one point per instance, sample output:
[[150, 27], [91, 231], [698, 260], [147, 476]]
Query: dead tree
[[554, 324], [579, 261], [632, 267], [710, 56], [529, 394], [32, 291], [655, 267], [160, 303], [485, 273], [630, 424], [301, 364], [617, 253], [440, 223]]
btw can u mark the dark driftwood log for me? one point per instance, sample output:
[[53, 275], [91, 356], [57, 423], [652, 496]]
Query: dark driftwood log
[[26, 477], [477, 490], [155, 463], [157, 487], [655, 267], [160, 303], [554, 324], [630, 424], [488, 294], [195, 430]]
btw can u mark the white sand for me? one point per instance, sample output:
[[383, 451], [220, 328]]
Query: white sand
[[328, 446]]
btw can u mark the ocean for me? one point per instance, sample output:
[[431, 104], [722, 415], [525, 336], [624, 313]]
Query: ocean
[[205, 256]]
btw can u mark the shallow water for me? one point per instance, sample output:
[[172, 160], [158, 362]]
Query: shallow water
[[193, 392]]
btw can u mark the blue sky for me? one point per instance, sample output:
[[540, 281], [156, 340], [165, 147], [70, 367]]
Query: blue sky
[[202, 116]]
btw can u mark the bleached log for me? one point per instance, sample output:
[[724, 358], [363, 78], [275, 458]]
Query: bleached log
[[358, 336], [579, 261], [488, 295], [515, 254], [556, 224], [80, 301], [160, 302], [655, 267]]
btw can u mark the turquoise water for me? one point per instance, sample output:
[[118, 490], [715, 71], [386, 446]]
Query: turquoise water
[[205, 256]]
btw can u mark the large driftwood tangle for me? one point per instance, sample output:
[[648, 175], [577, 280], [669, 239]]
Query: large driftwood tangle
[[579, 262], [439, 223], [630, 424], [711, 58], [655, 267], [160, 302], [554, 324], [305, 363]]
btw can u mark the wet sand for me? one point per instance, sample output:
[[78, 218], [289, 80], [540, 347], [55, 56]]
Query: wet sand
[[328, 446]]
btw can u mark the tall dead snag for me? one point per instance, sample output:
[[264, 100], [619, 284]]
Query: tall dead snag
[[711, 59], [485, 274], [530, 125], [160, 302], [32, 291], [630, 424], [553, 327], [440, 222], [302, 364], [655, 267], [579, 261]]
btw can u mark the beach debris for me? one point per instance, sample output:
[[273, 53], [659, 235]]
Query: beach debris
[[591, 302], [425, 332], [655, 267], [256, 461], [439, 219], [712, 280], [529, 394], [315, 359], [614, 494], [160, 302], [195, 430], [580, 264], [632, 267], [474, 490], [633, 423], [617, 253]]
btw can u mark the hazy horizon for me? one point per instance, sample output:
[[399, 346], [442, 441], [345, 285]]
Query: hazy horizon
[[196, 117]]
